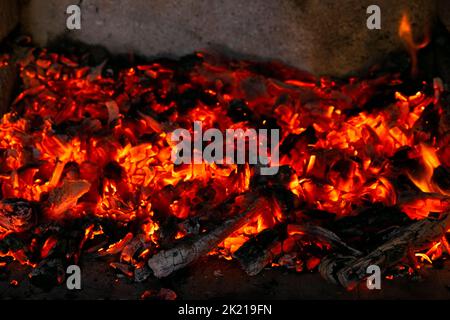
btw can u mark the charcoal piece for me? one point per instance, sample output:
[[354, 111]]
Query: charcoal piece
[[260, 250], [112, 170], [292, 141], [11, 242], [441, 177], [429, 121], [17, 215], [189, 250], [189, 98], [322, 235], [190, 226], [368, 229], [281, 178], [48, 274], [142, 273], [66, 196], [238, 111], [415, 237]]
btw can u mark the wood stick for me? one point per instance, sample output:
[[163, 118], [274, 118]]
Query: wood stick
[[187, 251], [322, 235], [349, 271], [260, 250]]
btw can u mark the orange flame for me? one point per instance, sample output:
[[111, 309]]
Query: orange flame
[[406, 34]]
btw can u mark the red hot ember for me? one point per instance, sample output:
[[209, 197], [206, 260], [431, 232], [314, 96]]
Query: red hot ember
[[85, 165]]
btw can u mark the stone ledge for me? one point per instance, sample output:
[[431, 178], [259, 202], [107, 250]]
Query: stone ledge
[[321, 36], [9, 16]]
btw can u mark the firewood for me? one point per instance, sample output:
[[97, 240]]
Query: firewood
[[259, 251], [66, 196], [17, 215], [349, 271], [7, 81], [142, 273], [322, 235], [187, 251]]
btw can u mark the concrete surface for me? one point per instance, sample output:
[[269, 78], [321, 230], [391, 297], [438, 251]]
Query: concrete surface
[[9, 16], [322, 36], [213, 278]]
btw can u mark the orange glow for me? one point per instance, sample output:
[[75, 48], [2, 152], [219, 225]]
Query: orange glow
[[406, 34], [342, 150]]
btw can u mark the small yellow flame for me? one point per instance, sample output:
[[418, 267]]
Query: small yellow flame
[[406, 33]]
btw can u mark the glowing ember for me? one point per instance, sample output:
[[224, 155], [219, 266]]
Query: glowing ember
[[89, 149]]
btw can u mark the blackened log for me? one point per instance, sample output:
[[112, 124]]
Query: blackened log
[[322, 235], [349, 271], [367, 228], [189, 250], [17, 215], [260, 250], [142, 273]]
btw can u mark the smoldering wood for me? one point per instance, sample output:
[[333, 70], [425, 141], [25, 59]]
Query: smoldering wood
[[348, 271], [259, 251], [66, 196], [17, 215], [11, 242], [142, 273], [187, 251], [323, 235]]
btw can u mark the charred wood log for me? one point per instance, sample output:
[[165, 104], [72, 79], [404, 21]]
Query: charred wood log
[[322, 235], [369, 227], [349, 270], [17, 215], [188, 250], [260, 250], [66, 196]]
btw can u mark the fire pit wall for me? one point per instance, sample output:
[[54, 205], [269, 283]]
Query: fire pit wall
[[9, 18], [325, 37]]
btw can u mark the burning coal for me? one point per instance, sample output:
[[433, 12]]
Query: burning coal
[[86, 168], [234, 145]]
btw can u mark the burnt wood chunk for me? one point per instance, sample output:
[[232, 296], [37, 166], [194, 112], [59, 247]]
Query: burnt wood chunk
[[16, 215], [187, 251], [348, 271], [67, 195], [259, 251]]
